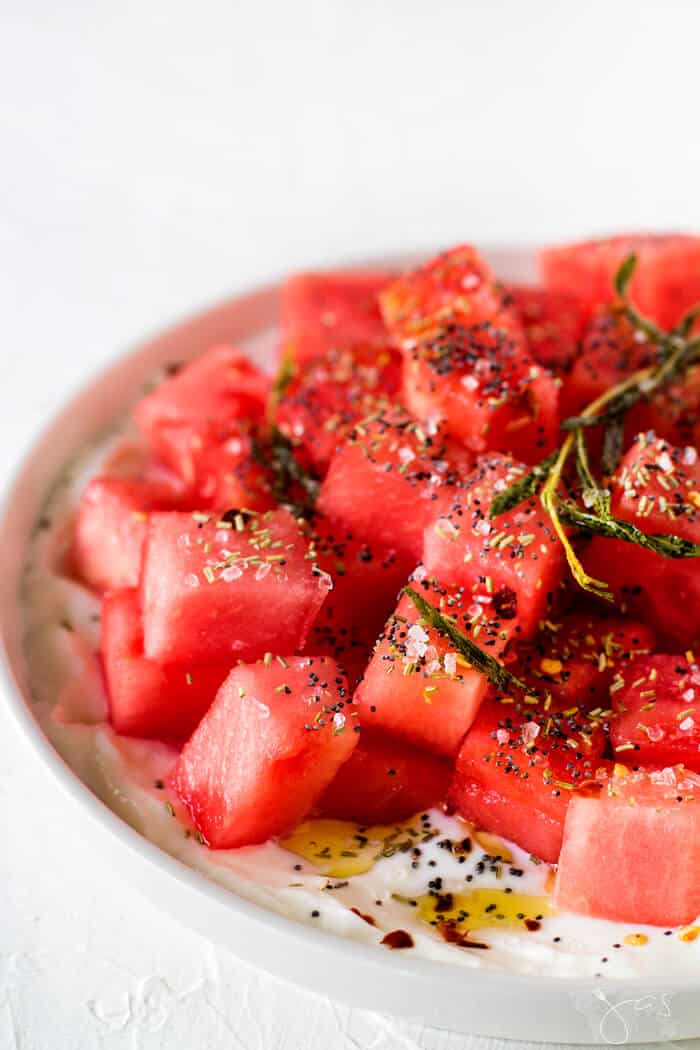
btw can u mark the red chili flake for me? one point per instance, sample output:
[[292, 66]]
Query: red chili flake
[[362, 915], [398, 939]]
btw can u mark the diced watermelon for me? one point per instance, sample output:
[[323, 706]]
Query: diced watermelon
[[214, 590], [455, 287], [657, 488], [218, 464], [110, 529], [146, 698], [657, 713], [219, 387], [385, 781], [329, 395], [366, 581], [632, 855], [514, 563], [518, 769], [334, 310], [271, 743], [486, 388], [417, 686], [665, 284], [576, 658], [553, 322], [406, 474]]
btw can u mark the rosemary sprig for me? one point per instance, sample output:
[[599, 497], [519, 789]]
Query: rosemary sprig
[[287, 474], [523, 488], [487, 665], [618, 529]]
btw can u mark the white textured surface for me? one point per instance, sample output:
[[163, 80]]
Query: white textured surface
[[155, 156]]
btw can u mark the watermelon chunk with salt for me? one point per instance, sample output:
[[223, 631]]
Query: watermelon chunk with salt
[[518, 769], [657, 488], [513, 563], [406, 474], [260, 760], [666, 282], [328, 395], [227, 588], [147, 698], [482, 383], [553, 322], [417, 686], [657, 713], [385, 781], [647, 822], [329, 311], [111, 526]]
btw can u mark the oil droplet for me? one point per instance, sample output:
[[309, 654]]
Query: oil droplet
[[484, 907], [636, 940], [493, 845], [341, 849], [690, 933]]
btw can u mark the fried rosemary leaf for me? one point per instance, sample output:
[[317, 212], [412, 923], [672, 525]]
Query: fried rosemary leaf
[[593, 495], [280, 384], [613, 445], [287, 473], [480, 660], [618, 529], [523, 488]]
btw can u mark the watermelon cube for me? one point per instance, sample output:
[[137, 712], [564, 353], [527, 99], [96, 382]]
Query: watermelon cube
[[575, 659], [330, 394], [220, 387], [385, 781], [147, 698], [519, 768], [665, 284], [366, 581], [514, 564], [455, 287], [227, 588], [111, 526], [657, 713], [657, 488], [485, 387], [329, 311], [407, 475], [417, 686], [632, 854], [260, 760], [553, 322]]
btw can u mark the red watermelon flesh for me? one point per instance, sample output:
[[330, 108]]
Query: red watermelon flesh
[[417, 686], [575, 658], [219, 387], [267, 749], [329, 395], [486, 388], [227, 589], [666, 282], [519, 768], [147, 698], [553, 322], [657, 713], [512, 562], [455, 287], [406, 474], [111, 526], [644, 822], [385, 781], [330, 311]]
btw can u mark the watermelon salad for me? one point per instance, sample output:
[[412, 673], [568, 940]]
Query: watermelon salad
[[427, 596]]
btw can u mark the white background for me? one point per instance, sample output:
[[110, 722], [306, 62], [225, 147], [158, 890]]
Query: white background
[[155, 156]]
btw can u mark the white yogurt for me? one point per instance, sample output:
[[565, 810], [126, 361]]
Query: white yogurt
[[62, 637]]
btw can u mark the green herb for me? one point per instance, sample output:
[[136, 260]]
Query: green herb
[[292, 485], [618, 529], [480, 660], [523, 488], [283, 379]]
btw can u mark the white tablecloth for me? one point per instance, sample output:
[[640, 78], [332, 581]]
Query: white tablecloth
[[156, 156]]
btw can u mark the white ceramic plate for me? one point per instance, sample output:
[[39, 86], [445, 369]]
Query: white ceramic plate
[[437, 994]]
